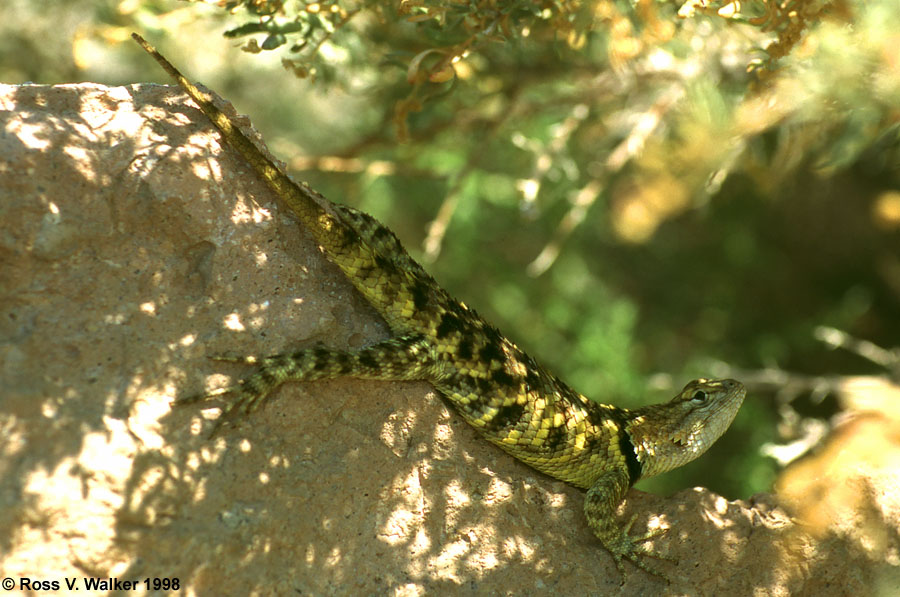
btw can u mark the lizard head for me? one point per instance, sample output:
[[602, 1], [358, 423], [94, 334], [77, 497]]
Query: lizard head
[[668, 435]]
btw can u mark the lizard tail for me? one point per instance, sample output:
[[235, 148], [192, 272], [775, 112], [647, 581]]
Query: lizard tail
[[368, 253], [327, 229]]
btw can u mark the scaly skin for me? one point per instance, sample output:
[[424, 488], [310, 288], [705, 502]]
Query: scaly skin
[[498, 389]]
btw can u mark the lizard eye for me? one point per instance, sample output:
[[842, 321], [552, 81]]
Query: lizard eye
[[699, 396]]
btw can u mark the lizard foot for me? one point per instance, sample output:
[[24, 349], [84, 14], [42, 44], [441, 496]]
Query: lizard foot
[[250, 392], [600, 506], [631, 548]]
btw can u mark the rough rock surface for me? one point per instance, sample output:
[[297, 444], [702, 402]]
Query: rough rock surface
[[132, 247]]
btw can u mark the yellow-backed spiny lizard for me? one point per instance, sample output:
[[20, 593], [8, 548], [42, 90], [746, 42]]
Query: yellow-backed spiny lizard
[[498, 389]]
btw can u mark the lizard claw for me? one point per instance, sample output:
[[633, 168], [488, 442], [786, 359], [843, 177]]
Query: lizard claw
[[204, 395], [630, 548], [640, 549], [248, 394], [226, 410]]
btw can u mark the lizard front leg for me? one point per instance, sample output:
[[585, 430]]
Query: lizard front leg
[[401, 358], [600, 505]]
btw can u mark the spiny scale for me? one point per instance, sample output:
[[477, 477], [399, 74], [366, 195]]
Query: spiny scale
[[501, 391]]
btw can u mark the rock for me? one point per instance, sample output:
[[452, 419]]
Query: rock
[[133, 247]]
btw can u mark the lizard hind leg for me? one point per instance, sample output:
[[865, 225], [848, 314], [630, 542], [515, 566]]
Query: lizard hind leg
[[401, 358], [600, 505]]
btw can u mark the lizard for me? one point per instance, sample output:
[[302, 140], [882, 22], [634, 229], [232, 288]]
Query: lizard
[[510, 400]]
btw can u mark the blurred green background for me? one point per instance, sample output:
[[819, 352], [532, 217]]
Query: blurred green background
[[638, 193]]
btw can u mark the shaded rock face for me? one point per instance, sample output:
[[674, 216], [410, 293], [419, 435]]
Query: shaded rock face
[[132, 247]]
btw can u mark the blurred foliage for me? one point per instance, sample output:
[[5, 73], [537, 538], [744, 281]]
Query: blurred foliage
[[625, 188]]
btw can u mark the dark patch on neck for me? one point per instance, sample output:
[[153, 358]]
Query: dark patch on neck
[[626, 447], [596, 415]]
